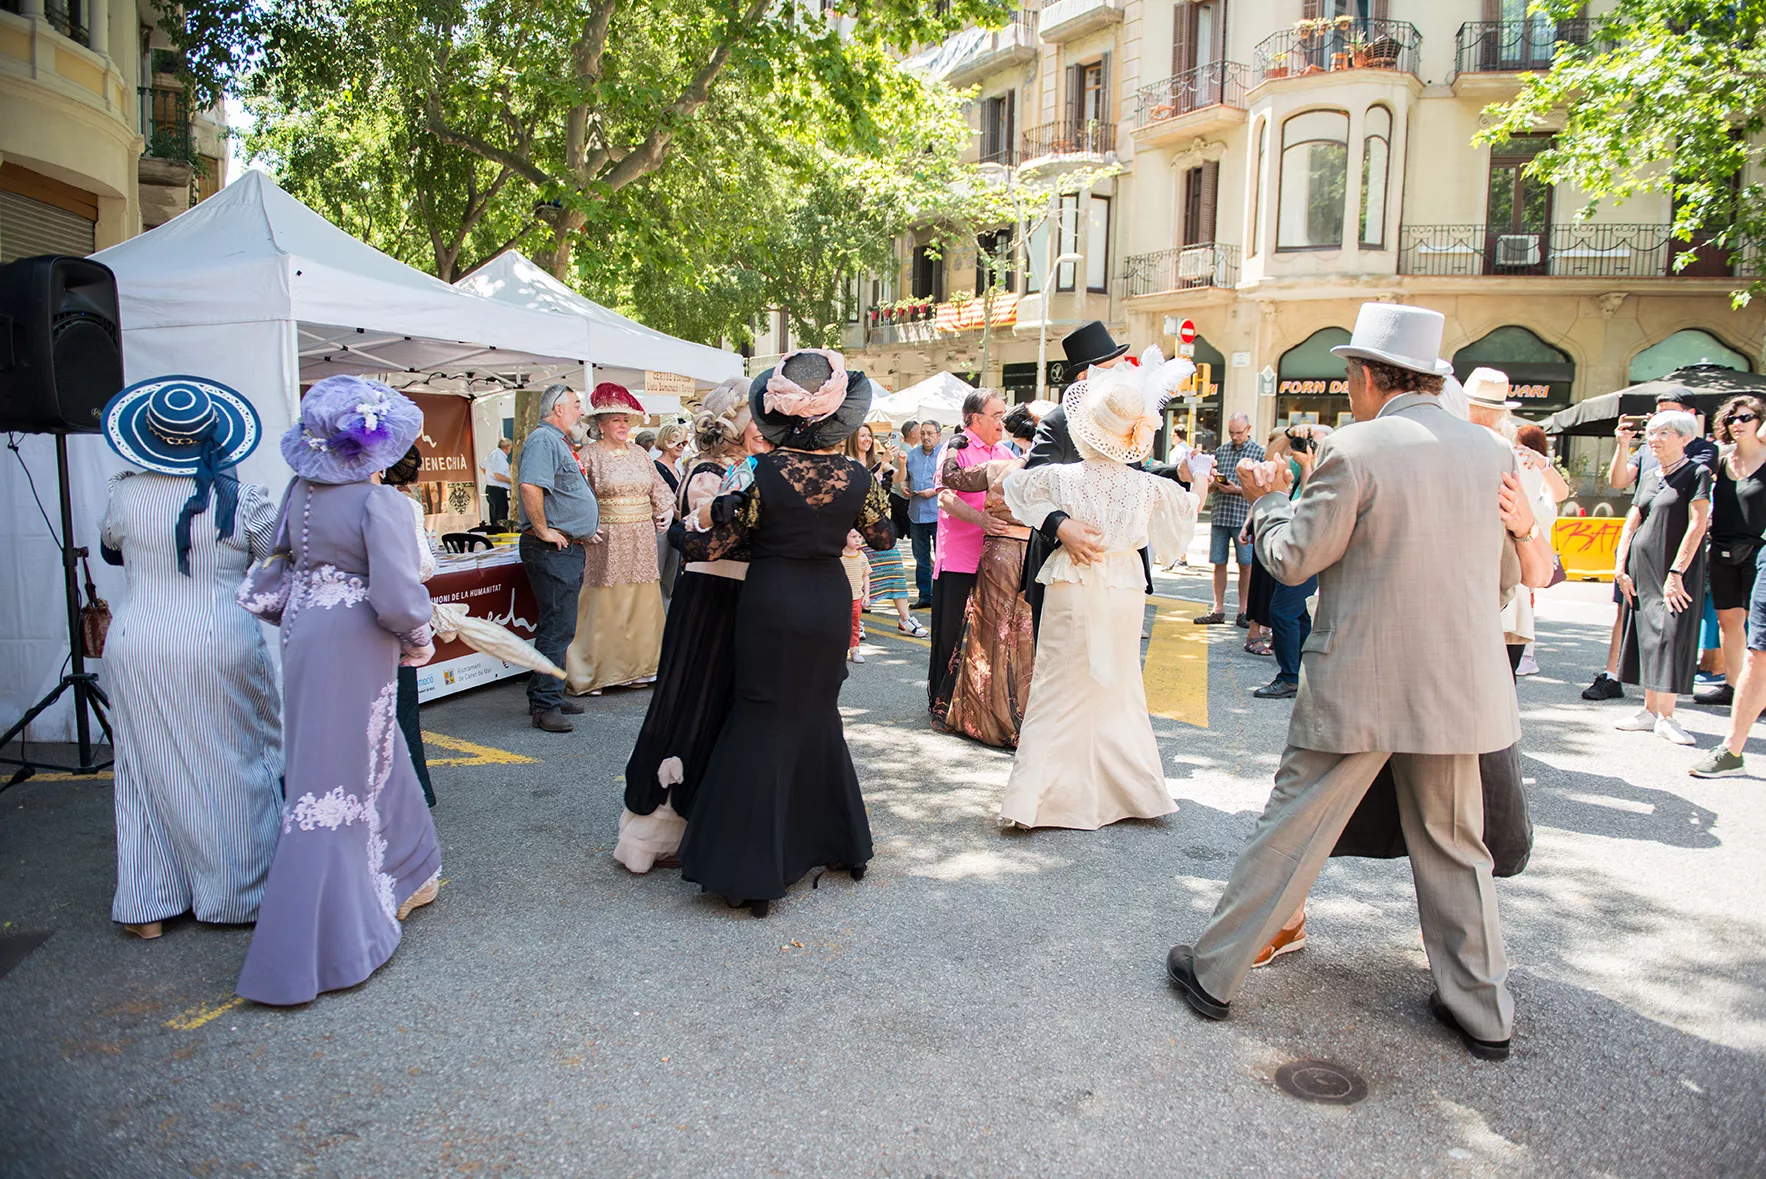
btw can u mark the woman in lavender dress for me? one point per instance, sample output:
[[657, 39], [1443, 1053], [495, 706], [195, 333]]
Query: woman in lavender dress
[[358, 850]]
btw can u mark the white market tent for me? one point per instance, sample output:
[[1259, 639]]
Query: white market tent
[[939, 397], [623, 349], [255, 290]]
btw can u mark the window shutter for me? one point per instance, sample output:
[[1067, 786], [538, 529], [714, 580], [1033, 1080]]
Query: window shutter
[[1075, 95], [1183, 38], [1210, 200], [1380, 9], [1492, 9], [1105, 107], [1011, 127], [1309, 9]]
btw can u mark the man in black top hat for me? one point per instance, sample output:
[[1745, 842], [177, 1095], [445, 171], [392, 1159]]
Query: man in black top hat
[[1087, 348]]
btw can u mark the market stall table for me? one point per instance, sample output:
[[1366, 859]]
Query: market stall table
[[493, 586]]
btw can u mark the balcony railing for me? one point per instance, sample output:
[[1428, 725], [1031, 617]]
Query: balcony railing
[[1210, 264], [1565, 251], [1343, 43], [1506, 46], [1092, 137], [1219, 83], [165, 124]]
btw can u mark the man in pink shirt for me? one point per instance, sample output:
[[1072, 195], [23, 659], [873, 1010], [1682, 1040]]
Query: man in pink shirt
[[961, 525]]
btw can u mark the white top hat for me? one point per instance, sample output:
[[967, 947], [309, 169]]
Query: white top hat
[[1408, 337], [1489, 386]]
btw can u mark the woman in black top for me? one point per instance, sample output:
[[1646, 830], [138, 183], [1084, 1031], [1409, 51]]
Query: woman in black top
[[671, 440], [1738, 525], [1661, 566]]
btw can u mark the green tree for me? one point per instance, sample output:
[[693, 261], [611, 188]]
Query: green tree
[[1667, 96]]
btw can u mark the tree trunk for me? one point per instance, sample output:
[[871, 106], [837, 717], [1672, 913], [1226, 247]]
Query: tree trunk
[[555, 260]]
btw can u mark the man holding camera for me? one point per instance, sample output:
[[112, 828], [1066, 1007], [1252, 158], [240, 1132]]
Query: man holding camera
[[1289, 623]]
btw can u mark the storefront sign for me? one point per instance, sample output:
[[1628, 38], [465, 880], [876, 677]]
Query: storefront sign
[[1314, 388], [1023, 375], [446, 440]]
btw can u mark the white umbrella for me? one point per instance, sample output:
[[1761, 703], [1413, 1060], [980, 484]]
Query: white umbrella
[[450, 621]]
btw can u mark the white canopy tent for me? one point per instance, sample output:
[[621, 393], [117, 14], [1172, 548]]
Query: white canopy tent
[[623, 349], [939, 397], [252, 289]]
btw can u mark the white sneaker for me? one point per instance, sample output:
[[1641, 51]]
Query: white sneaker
[[1641, 721], [1668, 730], [857, 657], [1529, 665]]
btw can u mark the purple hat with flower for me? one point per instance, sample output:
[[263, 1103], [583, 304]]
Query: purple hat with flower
[[350, 428]]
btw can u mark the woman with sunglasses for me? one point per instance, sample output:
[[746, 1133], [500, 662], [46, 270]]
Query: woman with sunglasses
[[1738, 524]]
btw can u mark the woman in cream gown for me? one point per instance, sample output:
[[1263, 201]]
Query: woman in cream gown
[[1086, 752]]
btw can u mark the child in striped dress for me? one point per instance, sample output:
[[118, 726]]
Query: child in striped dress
[[858, 574]]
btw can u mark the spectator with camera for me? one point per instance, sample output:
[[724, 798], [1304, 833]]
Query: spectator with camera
[[1289, 623]]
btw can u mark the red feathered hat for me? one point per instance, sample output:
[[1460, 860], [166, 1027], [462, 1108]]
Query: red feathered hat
[[611, 398]]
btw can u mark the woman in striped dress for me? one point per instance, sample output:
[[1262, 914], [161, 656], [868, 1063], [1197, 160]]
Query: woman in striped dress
[[889, 579], [198, 726]]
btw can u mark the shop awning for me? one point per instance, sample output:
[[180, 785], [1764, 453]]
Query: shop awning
[[1711, 386]]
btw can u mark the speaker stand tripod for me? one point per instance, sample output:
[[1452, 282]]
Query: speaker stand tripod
[[83, 684]]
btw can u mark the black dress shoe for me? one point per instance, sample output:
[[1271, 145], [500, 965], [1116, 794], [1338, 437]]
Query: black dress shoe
[[1243, 621], [571, 708], [1719, 694], [1482, 1049], [922, 604], [1180, 968], [552, 722], [1276, 690]]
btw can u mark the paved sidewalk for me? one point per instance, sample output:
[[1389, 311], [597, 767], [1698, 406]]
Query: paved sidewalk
[[983, 1003]]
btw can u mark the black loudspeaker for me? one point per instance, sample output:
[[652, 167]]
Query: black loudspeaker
[[61, 344]]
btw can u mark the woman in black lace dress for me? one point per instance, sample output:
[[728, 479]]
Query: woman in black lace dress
[[695, 677], [780, 795]]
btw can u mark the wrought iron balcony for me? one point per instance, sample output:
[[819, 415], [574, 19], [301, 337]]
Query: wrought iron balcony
[[1337, 43], [1511, 46], [1570, 250], [1219, 83], [971, 55], [67, 17], [1064, 20], [1088, 137], [165, 124], [1210, 264]]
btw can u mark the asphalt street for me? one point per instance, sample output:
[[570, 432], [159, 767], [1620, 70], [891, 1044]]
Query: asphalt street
[[983, 1003]]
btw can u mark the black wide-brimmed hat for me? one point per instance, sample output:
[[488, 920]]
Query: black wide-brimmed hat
[[1090, 344], [801, 418]]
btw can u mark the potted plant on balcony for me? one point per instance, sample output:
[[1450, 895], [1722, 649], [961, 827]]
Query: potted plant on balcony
[[1382, 53]]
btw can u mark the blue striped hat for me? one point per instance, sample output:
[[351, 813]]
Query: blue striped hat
[[166, 424]]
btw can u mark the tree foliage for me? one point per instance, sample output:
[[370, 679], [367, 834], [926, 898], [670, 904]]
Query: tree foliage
[[695, 162], [1668, 96]]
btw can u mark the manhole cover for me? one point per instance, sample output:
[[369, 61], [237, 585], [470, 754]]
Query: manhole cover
[[1321, 1081]]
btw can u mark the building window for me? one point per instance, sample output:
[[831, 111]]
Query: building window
[[1519, 209], [995, 260], [1036, 256], [1092, 100], [1068, 243], [1257, 193], [1097, 246], [1201, 193], [997, 129], [1685, 347], [1315, 166], [1376, 152], [1312, 384], [929, 274]]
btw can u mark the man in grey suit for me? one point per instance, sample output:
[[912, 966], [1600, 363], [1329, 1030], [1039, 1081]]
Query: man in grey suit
[[1405, 663]]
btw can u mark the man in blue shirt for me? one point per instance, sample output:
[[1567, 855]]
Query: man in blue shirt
[[558, 516], [922, 463]]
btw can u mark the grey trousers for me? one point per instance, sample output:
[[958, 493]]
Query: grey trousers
[[1440, 807]]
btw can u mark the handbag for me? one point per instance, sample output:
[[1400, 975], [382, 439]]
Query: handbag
[[1558, 575], [267, 584], [94, 617]]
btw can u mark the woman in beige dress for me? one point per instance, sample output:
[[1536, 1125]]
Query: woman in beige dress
[[619, 615], [1087, 756]]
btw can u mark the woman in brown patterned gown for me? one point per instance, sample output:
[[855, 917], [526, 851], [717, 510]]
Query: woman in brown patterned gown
[[619, 615], [990, 676]]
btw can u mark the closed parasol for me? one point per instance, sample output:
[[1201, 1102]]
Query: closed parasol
[[451, 621]]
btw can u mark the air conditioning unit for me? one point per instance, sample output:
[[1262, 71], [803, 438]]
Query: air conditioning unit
[[1196, 263], [1517, 249]]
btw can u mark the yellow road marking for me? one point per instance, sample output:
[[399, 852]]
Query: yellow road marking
[[478, 755], [1176, 672], [195, 1017], [890, 631]]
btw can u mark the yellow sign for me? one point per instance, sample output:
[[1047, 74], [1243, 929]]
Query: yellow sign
[[1587, 545]]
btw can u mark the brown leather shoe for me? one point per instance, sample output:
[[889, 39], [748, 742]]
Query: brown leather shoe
[[1286, 941], [146, 931], [571, 708], [552, 722]]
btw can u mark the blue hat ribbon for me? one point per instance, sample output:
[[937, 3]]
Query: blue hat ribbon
[[225, 490]]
